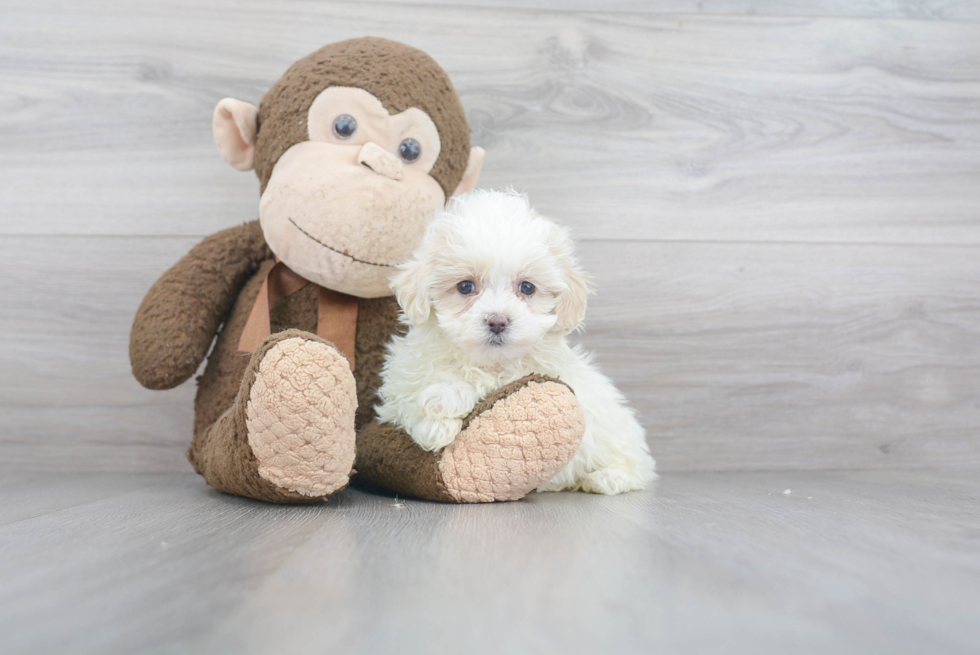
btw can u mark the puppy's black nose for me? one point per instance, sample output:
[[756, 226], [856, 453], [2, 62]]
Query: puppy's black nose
[[497, 323]]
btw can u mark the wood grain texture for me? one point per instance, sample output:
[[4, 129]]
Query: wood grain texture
[[847, 562], [736, 356], [627, 126], [751, 357], [781, 213], [947, 10]]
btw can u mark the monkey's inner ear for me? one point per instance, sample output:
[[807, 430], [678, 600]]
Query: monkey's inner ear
[[472, 171], [235, 125]]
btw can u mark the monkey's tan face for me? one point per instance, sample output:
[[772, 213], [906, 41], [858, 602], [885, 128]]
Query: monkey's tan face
[[344, 207]]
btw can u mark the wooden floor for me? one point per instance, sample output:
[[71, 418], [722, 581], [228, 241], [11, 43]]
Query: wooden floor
[[779, 201], [736, 562]]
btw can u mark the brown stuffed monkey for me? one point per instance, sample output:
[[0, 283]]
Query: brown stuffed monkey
[[356, 148]]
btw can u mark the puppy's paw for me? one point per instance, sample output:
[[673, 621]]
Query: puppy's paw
[[447, 400], [435, 434], [612, 481]]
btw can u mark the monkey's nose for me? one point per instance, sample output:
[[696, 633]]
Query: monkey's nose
[[497, 323], [380, 160]]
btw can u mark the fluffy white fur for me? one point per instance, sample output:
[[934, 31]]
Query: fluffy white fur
[[450, 358]]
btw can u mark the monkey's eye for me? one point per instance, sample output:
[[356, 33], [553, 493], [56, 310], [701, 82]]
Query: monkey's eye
[[409, 150], [344, 126], [466, 287], [527, 288]]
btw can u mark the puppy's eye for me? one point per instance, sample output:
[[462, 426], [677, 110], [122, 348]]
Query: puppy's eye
[[344, 126], [466, 287], [409, 150], [527, 288]]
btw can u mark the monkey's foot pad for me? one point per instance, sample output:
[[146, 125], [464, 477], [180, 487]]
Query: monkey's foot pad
[[516, 445], [300, 417]]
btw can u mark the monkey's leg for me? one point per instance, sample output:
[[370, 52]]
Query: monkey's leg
[[513, 442], [289, 436]]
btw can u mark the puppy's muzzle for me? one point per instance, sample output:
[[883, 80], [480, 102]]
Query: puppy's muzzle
[[496, 323]]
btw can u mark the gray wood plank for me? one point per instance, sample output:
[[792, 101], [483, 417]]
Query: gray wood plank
[[736, 356], [625, 125], [33, 494], [948, 10], [742, 356], [847, 562]]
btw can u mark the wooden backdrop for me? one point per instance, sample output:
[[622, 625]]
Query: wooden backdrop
[[779, 201]]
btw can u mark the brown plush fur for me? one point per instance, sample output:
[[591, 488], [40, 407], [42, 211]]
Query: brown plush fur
[[398, 75], [211, 292], [180, 314], [377, 320], [218, 431], [218, 386], [221, 383], [221, 453], [387, 457]]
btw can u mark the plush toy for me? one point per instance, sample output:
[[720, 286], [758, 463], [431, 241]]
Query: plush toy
[[356, 148]]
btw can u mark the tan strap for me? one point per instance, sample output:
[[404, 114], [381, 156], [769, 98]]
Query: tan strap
[[336, 321], [257, 327], [336, 316], [281, 281]]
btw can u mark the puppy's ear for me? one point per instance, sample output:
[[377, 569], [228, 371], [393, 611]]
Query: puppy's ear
[[572, 301], [571, 304], [413, 282], [412, 291]]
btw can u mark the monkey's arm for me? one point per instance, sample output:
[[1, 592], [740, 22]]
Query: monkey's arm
[[180, 315], [514, 441]]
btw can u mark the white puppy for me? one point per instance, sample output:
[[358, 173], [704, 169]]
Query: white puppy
[[489, 297]]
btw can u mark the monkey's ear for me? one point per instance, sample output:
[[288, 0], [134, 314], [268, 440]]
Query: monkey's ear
[[235, 125], [472, 171]]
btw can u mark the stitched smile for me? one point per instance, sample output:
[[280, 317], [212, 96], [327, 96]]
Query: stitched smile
[[339, 252]]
